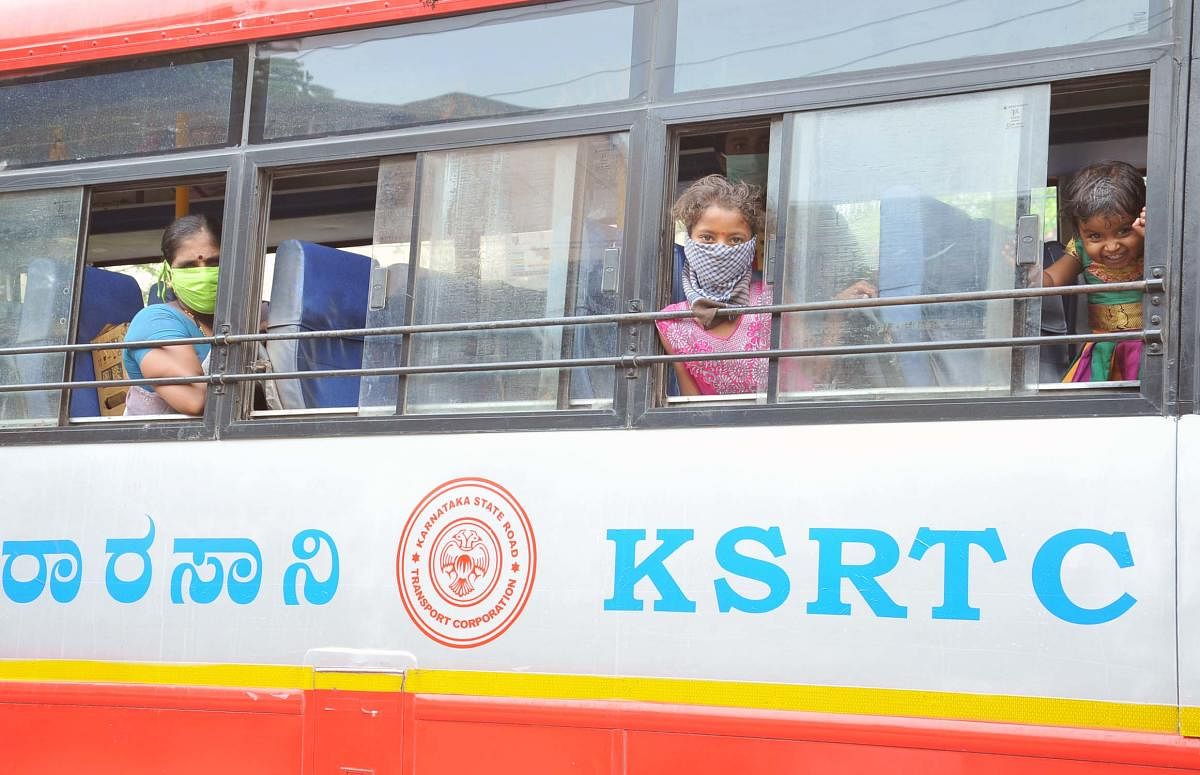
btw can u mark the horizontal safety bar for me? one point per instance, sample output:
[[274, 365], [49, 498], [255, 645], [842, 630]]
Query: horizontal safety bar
[[630, 361], [1154, 285]]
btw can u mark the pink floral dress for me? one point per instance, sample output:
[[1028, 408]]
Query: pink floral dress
[[753, 332]]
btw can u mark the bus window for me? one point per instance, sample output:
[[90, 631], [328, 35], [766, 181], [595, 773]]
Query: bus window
[[780, 39], [185, 101], [529, 230], [522, 231], [909, 199], [924, 202], [39, 233], [122, 274], [317, 270], [314, 86]]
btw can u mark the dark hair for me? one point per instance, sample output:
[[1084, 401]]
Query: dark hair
[[717, 190], [1112, 188], [185, 227]]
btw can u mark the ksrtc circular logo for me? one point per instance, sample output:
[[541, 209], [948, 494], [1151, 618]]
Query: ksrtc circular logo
[[466, 562]]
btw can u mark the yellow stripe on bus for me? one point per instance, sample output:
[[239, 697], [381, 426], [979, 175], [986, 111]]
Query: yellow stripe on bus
[[816, 699], [359, 682], [1045, 711], [156, 673], [1189, 722]]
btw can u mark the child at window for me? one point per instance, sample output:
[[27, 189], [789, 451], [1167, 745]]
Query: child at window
[[1107, 204], [721, 219]]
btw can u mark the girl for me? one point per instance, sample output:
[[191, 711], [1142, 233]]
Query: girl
[[191, 248], [1107, 204], [722, 219]]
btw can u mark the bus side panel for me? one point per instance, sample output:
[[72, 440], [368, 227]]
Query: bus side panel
[[453, 735], [357, 731], [107, 729], [651, 753], [1188, 549]]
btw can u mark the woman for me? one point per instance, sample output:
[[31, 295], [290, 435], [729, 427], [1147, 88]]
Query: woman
[[191, 248]]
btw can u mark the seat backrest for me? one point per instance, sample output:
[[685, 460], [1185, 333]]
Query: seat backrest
[[159, 294], [592, 296], [107, 298], [677, 294], [928, 247], [317, 288]]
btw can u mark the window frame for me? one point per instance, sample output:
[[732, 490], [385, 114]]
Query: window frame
[[263, 160], [1154, 396], [1172, 387], [121, 171]]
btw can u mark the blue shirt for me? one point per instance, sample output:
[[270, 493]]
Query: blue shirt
[[154, 323]]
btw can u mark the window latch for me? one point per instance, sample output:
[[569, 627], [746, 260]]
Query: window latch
[[1029, 246]]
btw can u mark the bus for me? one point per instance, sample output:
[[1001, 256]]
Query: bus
[[448, 507]]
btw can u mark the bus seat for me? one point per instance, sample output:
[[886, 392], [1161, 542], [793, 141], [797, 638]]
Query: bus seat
[[159, 294], [677, 294], [317, 288], [925, 247], [591, 297], [1058, 318], [901, 272], [106, 298]]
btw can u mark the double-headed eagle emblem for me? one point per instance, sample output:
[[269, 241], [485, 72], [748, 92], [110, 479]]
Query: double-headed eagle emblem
[[464, 559]]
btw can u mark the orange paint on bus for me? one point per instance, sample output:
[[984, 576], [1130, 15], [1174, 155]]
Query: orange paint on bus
[[109, 729]]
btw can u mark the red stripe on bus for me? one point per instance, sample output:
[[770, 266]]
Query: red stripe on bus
[[113, 30]]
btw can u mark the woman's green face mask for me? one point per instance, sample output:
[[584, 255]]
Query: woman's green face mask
[[195, 286]]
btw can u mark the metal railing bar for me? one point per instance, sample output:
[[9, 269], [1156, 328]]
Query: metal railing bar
[[630, 361], [834, 305]]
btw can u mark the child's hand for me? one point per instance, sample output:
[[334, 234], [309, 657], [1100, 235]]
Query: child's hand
[[1139, 224]]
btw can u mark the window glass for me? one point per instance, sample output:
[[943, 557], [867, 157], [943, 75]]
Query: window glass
[[779, 39], [518, 231], [391, 250], [904, 199], [85, 114], [397, 77], [39, 236]]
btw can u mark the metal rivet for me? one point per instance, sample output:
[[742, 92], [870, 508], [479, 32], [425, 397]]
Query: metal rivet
[[1157, 272], [1156, 300], [1155, 319]]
